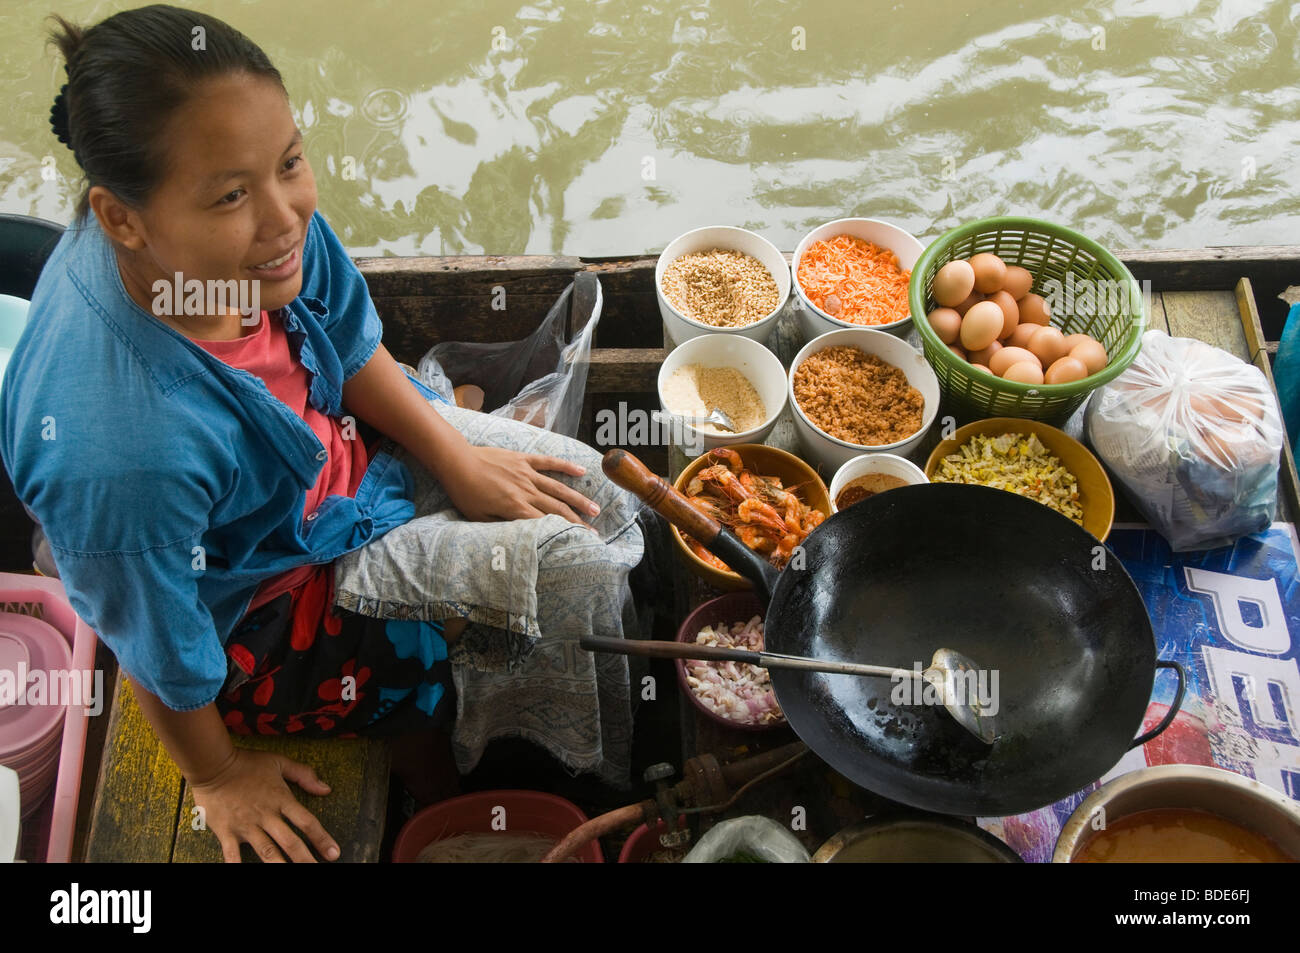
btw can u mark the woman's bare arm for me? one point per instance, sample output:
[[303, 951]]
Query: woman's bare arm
[[483, 482], [243, 793]]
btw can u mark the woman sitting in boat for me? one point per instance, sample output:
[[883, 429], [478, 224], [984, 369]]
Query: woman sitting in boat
[[214, 516]]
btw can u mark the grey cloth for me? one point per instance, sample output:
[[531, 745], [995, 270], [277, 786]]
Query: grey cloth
[[530, 589]]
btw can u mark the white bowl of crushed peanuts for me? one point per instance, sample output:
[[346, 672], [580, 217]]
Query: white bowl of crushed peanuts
[[736, 374], [720, 280]]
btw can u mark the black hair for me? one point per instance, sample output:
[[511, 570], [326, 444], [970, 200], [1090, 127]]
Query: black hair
[[127, 75]]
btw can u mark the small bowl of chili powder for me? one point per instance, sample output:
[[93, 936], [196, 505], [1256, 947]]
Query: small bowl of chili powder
[[864, 476]]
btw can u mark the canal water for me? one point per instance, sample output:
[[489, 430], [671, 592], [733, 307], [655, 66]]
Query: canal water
[[608, 128]]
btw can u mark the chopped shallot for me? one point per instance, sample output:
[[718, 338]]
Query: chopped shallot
[[734, 690]]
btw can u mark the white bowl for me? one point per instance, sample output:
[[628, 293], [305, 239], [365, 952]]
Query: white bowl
[[886, 463], [677, 326], [814, 321], [830, 453], [752, 359]]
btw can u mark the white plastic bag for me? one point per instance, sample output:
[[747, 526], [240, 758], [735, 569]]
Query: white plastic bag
[[1195, 435], [539, 380], [758, 836]]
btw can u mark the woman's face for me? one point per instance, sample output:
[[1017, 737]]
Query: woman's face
[[236, 194]]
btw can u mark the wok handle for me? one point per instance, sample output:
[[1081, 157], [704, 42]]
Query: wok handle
[[625, 470], [631, 474], [674, 650], [1172, 713]]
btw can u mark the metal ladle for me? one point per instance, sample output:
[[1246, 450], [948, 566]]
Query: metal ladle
[[718, 418], [946, 673]]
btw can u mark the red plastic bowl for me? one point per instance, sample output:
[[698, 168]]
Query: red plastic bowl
[[731, 608], [525, 811], [645, 842]]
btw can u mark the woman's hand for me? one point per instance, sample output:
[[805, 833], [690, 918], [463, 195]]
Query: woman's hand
[[494, 483], [248, 800]]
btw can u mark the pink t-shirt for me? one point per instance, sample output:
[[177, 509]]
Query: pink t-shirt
[[264, 351]]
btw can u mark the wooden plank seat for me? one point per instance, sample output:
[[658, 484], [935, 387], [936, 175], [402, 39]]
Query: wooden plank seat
[[143, 810]]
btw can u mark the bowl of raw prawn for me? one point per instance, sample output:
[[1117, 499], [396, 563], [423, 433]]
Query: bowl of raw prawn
[[726, 611], [871, 282], [747, 472]]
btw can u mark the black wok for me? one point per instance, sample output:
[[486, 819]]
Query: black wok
[[1017, 587]]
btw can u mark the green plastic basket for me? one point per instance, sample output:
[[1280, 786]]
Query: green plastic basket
[[1106, 303]]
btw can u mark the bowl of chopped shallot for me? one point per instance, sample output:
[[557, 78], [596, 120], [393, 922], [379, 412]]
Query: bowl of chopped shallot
[[854, 273], [732, 694]]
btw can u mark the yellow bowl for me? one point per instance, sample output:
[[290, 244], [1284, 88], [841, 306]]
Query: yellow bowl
[[765, 461], [1095, 492]]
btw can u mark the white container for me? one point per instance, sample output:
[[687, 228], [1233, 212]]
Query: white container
[[886, 463], [829, 453], [677, 326], [760, 366], [812, 320]]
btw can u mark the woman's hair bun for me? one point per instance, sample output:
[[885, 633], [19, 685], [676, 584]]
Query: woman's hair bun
[[59, 117]]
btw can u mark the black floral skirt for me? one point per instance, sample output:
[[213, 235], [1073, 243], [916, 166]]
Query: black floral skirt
[[347, 676]]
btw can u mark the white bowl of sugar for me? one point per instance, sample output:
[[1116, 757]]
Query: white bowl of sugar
[[737, 374]]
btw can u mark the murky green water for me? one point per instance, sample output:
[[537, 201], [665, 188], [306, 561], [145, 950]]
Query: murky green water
[[609, 128]]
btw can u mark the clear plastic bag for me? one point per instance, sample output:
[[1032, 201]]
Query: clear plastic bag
[[1195, 435], [758, 836], [539, 380]]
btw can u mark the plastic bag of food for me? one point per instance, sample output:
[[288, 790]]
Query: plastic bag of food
[[1194, 434], [752, 839], [539, 380]]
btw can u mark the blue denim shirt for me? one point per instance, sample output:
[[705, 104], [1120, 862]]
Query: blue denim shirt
[[169, 484]]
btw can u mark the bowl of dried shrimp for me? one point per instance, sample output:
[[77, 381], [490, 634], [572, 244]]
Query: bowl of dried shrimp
[[769, 498], [732, 694], [854, 273]]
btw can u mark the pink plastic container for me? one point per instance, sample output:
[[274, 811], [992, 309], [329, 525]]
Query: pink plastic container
[[45, 598], [530, 811]]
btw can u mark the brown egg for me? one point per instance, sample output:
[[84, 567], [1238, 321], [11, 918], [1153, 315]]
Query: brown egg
[[1034, 310], [1048, 345], [1091, 352], [946, 323], [953, 282], [1008, 356], [1026, 372], [1010, 312], [985, 354], [1021, 335], [981, 326], [969, 302], [958, 350], [1065, 370], [990, 271], [1018, 282]]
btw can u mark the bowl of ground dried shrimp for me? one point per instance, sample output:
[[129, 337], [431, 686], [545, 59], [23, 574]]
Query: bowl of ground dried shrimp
[[720, 280], [1032, 459], [858, 391], [736, 375]]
